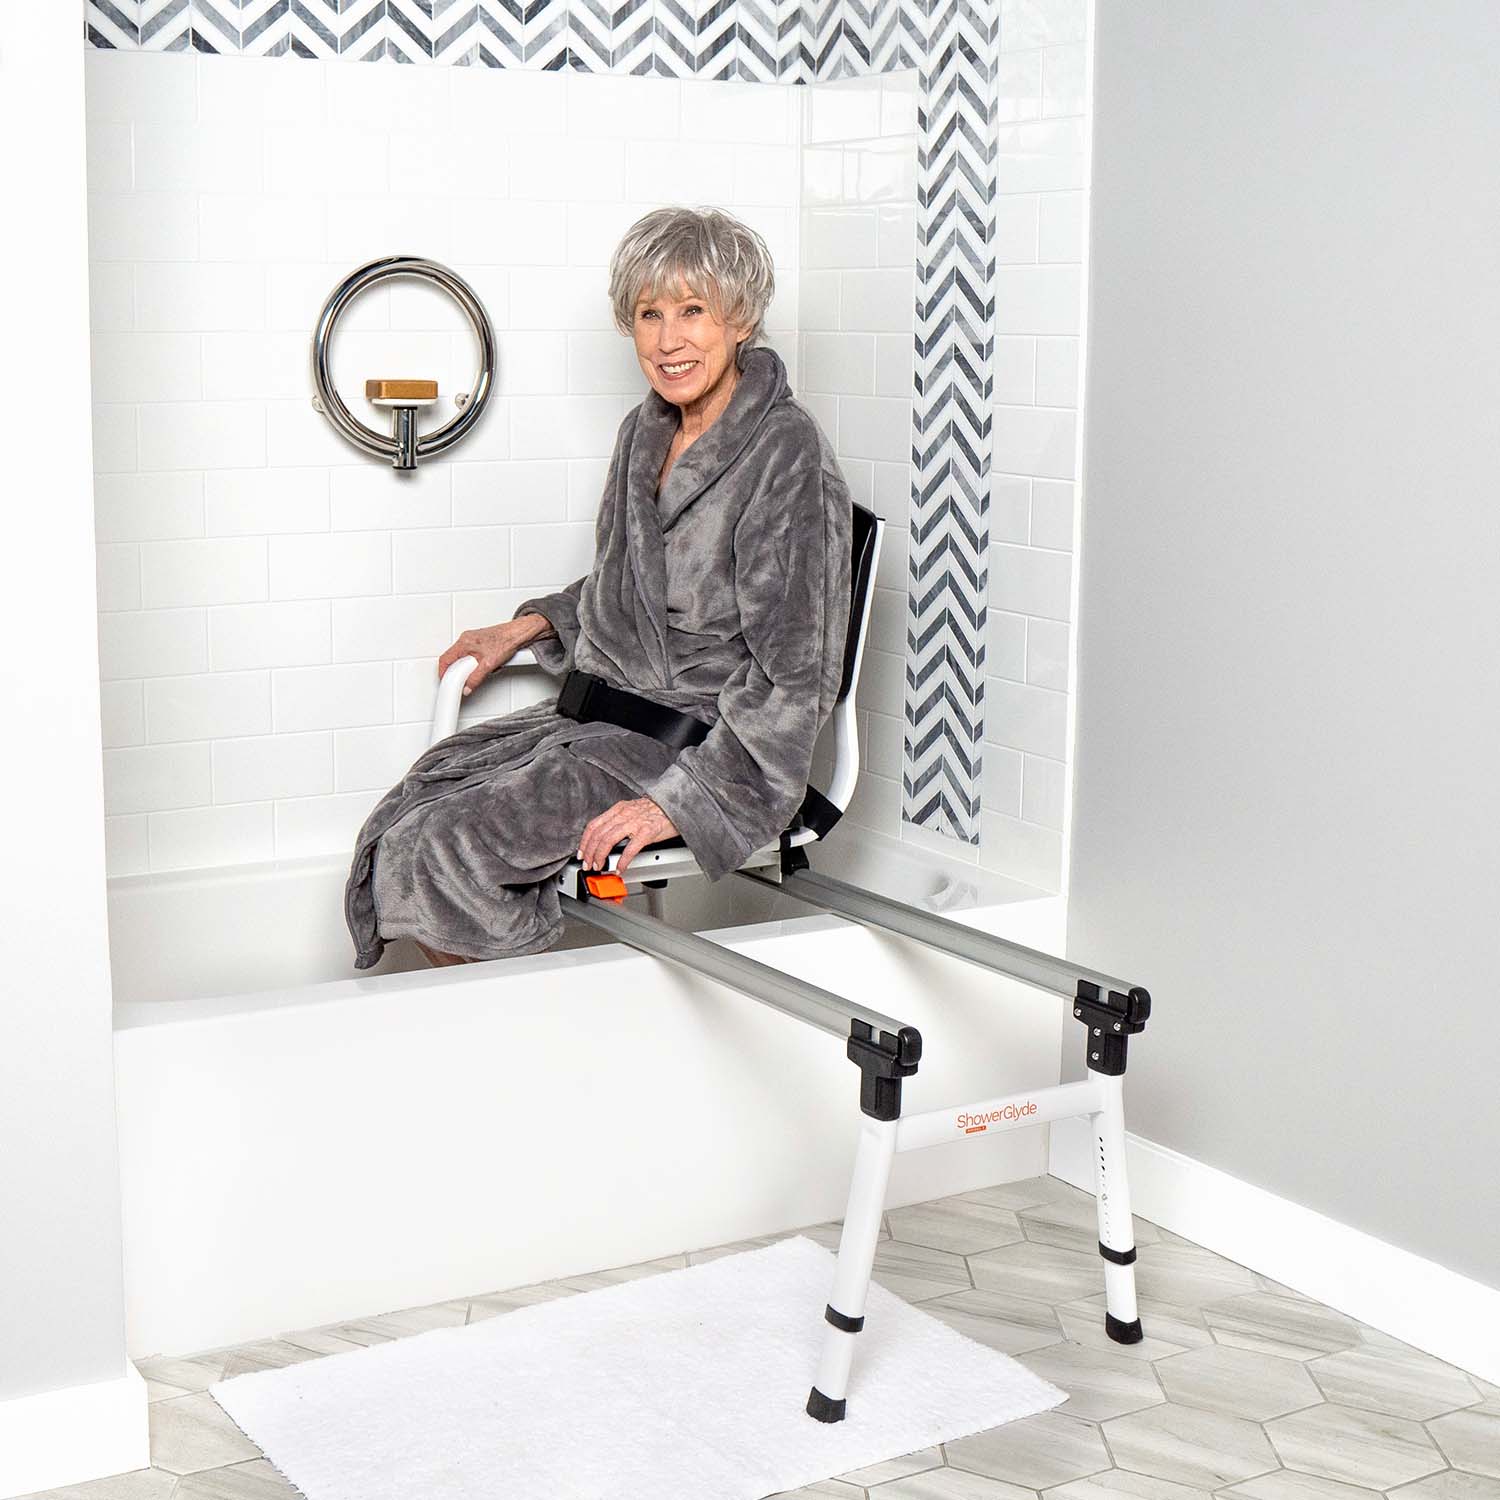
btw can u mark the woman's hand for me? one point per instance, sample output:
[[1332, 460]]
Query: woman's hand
[[640, 820], [492, 646]]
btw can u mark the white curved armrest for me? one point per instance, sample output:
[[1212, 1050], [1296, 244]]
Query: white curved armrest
[[450, 693]]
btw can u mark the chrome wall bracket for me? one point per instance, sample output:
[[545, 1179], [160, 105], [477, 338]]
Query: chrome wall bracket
[[404, 446]]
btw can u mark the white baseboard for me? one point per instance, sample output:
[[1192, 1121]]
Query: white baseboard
[[1415, 1300], [73, 1435]]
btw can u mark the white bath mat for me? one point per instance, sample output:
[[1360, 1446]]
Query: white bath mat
[[688, 1385]]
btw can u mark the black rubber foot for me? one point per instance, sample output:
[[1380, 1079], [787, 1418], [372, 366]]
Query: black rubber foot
[[1123, 1333], [824, 1408]]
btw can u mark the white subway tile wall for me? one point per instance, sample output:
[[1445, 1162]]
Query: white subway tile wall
[[857, 311], [272, 601]]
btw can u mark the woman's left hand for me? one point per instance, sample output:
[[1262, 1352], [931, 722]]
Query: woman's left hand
[[640, 820]]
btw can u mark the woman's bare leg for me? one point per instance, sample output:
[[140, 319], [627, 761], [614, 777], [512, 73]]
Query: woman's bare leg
[[437, 958]]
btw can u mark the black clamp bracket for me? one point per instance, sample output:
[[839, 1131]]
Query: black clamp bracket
[[1112, 1019], [883, 1063]]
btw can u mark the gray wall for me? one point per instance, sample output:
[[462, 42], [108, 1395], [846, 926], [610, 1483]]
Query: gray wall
[[1286, 817], [62, 1319]]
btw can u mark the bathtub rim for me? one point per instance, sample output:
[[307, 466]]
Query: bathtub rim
[[1000, 895], [131, 1015]]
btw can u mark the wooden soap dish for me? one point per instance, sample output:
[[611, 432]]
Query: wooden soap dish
[[401, 392]]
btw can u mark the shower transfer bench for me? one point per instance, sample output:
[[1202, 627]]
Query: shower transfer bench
[[884, 1050]]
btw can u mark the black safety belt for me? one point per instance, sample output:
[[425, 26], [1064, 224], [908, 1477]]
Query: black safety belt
[[587, 698]]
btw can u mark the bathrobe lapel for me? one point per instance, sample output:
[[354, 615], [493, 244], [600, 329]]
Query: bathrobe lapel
[[643, 533], [761, 384]]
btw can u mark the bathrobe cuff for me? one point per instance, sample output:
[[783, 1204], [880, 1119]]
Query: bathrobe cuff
[[560, 610], [719, 847]]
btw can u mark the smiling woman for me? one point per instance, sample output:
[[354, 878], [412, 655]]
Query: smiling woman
[[691, 286], [719, 588]]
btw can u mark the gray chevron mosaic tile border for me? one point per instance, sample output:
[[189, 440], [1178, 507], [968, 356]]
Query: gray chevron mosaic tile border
[[954, 46], [949, 559]]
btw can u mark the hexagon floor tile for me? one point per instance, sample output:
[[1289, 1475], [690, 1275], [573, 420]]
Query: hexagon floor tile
[[1241, 1390], [1182, 1327], [896, 1468], [1471, 1439], [1013, 1325], [252, 1481], [1099, 1384], [1189, 1446], [1034, 1452], [1449, 1485], [1392, 1378], [963, 1228], [1027, 1193], [1357, 1447], [1075, 1226], [1238, 1382], [950, 1484], [916, 1273], [1288, 1484], [1039, 1271], [1189, 1275], [1275, 1324], [1113, 1484], [192, 1433]]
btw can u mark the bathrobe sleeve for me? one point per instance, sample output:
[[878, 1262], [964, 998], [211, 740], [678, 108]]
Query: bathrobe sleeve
[[561, 611], [737, 790]]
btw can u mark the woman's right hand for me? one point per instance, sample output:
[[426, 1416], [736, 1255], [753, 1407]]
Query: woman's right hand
[[492, 646]]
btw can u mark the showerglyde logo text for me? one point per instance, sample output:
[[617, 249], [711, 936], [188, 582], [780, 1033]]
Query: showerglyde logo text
[[1005, 1115]]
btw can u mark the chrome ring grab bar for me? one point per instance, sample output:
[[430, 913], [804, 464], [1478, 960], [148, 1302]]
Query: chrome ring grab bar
[[403, 452]]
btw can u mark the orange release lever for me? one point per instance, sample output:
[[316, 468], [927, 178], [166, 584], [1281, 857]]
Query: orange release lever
[[606, 885]]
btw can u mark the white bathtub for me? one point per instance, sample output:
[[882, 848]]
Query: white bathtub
[[299, 1146]]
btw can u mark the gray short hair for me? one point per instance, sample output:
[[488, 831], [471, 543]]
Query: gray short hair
[[722, 260]]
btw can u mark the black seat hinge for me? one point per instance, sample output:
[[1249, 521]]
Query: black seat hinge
[[882, 1066], [1112, 1019]]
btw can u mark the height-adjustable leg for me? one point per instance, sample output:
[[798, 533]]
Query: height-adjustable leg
[[845, 1313], [883, 1064], [1111, 1020], [1116, 1228]]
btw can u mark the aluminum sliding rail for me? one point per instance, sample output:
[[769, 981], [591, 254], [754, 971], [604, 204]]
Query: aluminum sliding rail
[[785, 992], [982, 948]]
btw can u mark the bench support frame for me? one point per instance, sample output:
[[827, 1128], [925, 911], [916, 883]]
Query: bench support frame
[[887, 1052]]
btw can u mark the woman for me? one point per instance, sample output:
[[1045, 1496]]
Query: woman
[[720, 587]]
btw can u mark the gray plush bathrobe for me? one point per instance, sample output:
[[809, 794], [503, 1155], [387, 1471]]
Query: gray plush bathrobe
[[727, 596]]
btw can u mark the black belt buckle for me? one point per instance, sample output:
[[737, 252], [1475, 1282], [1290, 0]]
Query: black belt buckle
[[577, 689]]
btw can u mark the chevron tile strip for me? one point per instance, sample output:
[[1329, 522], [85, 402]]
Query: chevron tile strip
[[953, 44], [768, 35], [112, 25], [267, 28], [162, 25], [537, 30], [951, 437], [598, 30], [695, 38]]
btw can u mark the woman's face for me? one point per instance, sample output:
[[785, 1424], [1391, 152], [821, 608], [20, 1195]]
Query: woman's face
[[683, 346]]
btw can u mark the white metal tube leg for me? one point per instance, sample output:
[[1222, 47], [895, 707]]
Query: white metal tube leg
[[1116, 1228], [851, 1277]]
